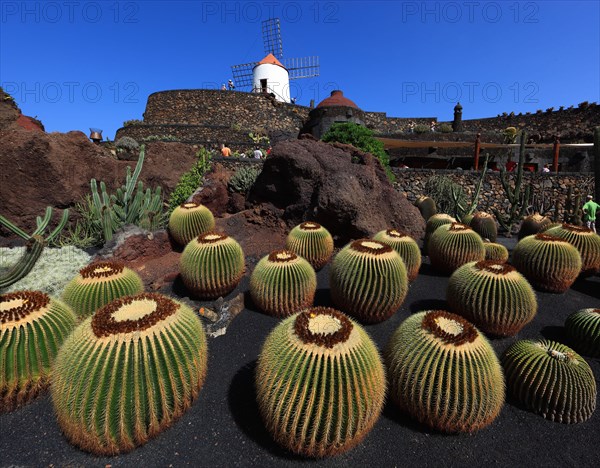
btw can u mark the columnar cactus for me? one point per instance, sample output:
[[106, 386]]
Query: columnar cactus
[[33, 328], [426, 206], [311, 241], [484, 224], [495, 252], [586, 241], [98, 284], [583, 331], [283, 283], [212, 265], [320, 383], [548, 262], [128, 372], [550, 379], [368, 280], [494, 296], [190, 220], [453, 245], [444, 373], [406, 247], [433, 223], [533, 224]]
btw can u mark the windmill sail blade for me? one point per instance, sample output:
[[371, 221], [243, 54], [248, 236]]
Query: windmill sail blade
[[271, 31], [242, 74], [302, 67]]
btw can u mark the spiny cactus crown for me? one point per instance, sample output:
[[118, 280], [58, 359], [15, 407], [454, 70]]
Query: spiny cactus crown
[[449, 328], [573, 228], [322, 326], [211, 238], [310, 226], [282, 256], [101, 270], [189, 206], [17, 305], [458, 227], [396, 233], [370, 246], [494, 267], [549, 238], [550, 348]]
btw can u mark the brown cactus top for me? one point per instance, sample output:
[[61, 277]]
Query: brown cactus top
[[494, 267], [322, 326], [396, 233], [370, 246], [189, 206], [310, 226], [548, 237], [282, 256], [17, 305], [102, 269], [573, 228], [449, 328], [211, 237], [459, 227]]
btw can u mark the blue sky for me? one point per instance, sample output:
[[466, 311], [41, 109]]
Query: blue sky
[[80, 64]]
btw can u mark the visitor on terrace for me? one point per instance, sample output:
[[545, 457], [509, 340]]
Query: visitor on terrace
[[230, 85], [225, 151], [546, 168], [258, 153], [589, 213]]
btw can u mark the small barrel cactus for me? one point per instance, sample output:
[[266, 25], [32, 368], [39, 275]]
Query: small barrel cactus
[[283, 283], [533, 224], [484, 224], [320, 383], [548, 262], [583, 331], [406, 247], [550, 379], [586, 241], [368, 280], [128, 372], [212, 265], [433, 223], [311, 241], [495, 252], [33, 328], [453, 245], [494, 296], [444, 373], [190, 220], [98, 284], [426, 206], [466, 219]]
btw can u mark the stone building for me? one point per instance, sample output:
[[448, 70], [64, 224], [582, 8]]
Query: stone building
[[333, 109]]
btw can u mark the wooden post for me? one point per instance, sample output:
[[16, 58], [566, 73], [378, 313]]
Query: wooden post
[[477, 149], [556, 151]]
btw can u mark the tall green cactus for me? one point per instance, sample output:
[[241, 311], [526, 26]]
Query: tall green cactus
[[35, 245]]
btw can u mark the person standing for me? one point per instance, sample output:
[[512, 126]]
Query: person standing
[[230, 85], [225, 151], [589, 213], [258, 153]]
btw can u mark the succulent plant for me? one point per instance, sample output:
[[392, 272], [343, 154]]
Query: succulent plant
[[190, 220], [495, 252], [283, 283], [444, 373], [466, 219], [426, 206], [311, 241], [583, 331], [212, 265], [33, 328], [548, 262], [453, 245], [406, 247], [550, 379], [433, 223], [320, 383], [586, 241], [98, 284], [128, 372], [494, 296], [533, 224], [484, 224], [368, 280]]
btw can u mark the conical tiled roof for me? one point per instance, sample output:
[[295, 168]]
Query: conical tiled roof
[[337, 99], [270, 59]]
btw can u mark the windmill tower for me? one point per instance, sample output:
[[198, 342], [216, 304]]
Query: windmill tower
[[273, 73]]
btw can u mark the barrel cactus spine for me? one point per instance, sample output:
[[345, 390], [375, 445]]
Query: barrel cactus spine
[[548, 262], [583, 331], [484, 224], [550, 379], [495, 252], [320, 383], [368, 280], [453, 245], [533, 224], [128, 372], [433, 223], [189, 220], [311, 241], [283, 283], [428, 357], [406, 247], [33, 328], [212, 265], [494, 296], [586, 241], [100, 283]]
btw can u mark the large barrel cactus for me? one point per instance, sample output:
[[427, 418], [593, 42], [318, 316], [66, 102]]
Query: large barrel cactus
[[586, 241], [495, 252], [453, 245], [406, 247], [320, 383], [212, 265], [190, 220], [283, 283], [550, 379], [533, 224], [128, 372], [426, 206], [548, 262], [444, 373], [33, 327], [484, 224], [311, 241], [583, 331], [368, 280], [494, 296], [432, 224], [98, 284]]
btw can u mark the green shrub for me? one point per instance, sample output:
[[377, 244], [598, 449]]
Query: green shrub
[[127, 123], [243, 179], [445, 128], [449, 196], [422, 128], [190, 180], [127, 143]]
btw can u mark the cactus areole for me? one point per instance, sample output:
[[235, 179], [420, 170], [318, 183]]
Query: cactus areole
[[18, 306], [451, 329], [322, 326], [101, 270], [310, 226], [282, 256]]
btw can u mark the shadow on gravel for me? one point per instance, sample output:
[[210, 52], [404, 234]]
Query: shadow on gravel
[[589, 286], [554, 333], [427, 270], [428, 304]]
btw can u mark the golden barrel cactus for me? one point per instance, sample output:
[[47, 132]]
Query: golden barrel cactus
[[406, 247], [190, 220], [583, 331], [312, 242], [453, 245], [586, 241]]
